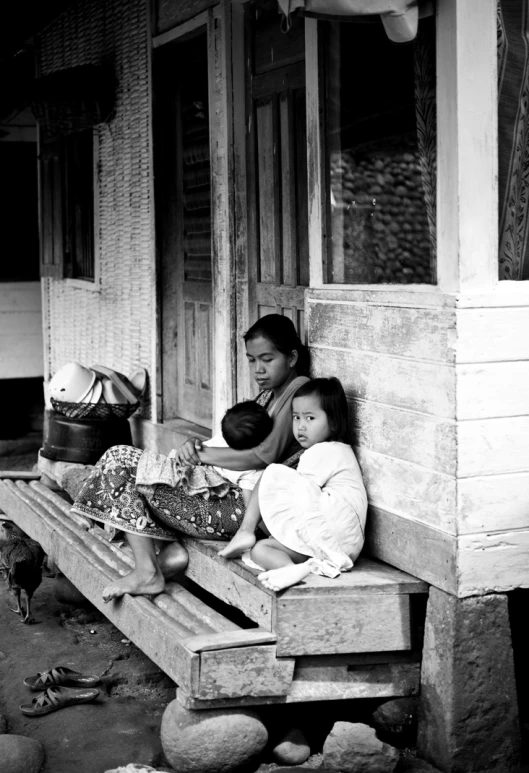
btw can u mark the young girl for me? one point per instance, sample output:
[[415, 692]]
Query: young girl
[[278, 362], [315, 515]]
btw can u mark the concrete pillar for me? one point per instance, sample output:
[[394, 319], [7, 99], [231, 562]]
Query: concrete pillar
[[468, 717]]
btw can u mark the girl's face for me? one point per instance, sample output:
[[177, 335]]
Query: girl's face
[[269, 367], [310, 423]]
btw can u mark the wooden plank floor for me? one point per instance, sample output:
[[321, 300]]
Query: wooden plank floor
[[322, 640], [365, 610]]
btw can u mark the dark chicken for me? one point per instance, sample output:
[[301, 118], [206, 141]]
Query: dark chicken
[[21, 558]]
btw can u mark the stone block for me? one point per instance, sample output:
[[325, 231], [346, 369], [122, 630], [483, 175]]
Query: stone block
[[212, 741], [19, 754], [468, 712], [292, 748], [355, 748]]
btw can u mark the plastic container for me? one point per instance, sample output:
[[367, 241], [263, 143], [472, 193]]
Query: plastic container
[[81, 440]]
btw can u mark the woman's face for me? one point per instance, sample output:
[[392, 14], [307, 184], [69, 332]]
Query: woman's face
[[269, 367]]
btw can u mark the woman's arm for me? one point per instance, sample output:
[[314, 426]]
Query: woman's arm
[[193, 452]]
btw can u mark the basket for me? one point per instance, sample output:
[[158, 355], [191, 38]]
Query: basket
[[95, 411]]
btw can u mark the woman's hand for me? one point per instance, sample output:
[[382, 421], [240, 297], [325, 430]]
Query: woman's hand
[[187, 453]]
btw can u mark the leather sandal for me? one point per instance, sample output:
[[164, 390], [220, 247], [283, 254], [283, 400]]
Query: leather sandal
[[55, 698], [60, 675]]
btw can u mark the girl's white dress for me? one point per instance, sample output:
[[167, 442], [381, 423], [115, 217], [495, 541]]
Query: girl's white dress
[[319, 509]]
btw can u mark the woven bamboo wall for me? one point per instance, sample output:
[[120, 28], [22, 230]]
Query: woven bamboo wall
[[116, 325]]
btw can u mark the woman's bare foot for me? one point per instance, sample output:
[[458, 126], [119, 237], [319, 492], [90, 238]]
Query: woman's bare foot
[[243, 540], [137, 583], [285, 576]]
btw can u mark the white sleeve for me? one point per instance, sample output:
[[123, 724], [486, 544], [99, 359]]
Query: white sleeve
[[320, 462]]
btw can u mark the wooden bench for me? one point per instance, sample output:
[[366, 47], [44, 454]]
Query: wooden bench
[[357, 636]]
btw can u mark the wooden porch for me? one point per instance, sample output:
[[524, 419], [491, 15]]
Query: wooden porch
[[223, 638]]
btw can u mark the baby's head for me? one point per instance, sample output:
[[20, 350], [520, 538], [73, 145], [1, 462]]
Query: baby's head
[[245, 425]]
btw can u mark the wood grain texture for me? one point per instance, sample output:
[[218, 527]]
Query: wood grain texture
[[318, 683], [225, 580], [492, 390], [363, 623], [414, 385], [467, 125], [169, 13], [492, 335], [406, 489], [493, 446], [252, 671], [426, 334], [413, 437], [414, 547], [156, 634], [493, 503], [493, 563]]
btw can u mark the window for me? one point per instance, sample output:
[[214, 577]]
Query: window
[[380, 157], [67, 207]]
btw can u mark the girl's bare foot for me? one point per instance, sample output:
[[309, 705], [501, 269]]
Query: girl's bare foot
[[137, 583], [243, 540], [285, 576]]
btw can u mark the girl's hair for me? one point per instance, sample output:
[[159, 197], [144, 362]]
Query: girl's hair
[[333, 402], [280, 331]]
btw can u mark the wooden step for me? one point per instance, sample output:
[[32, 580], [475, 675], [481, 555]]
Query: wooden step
[[368, 609], [177, 630], [216, 662]]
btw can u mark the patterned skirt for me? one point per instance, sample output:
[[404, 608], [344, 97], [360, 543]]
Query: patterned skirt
[[110, 495]]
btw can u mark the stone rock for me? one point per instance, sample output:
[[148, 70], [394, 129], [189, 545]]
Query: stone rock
[[3, 724], [468, 711], [66, 592], [19, 754], [214, 741], [354, 748], [132, 767], [292, 749], [396, 721], [398, 711], [414, 765]]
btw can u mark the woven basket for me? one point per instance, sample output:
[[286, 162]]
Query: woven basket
[[95, 411]]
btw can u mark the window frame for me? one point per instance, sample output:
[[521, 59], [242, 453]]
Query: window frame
[[467, 230], [52, 219]]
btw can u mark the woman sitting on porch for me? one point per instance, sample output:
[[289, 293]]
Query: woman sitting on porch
[[279, 363]]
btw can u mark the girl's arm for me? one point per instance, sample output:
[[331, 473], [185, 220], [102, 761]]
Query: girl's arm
[[192, 452]]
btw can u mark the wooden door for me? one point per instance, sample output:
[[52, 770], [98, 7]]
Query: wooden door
[[183, 207], [277, 193]]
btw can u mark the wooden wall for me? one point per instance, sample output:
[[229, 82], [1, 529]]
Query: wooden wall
[[396, 360], [492, 374], [439, 399]]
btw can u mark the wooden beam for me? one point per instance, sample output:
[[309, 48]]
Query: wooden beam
[[467, 192]]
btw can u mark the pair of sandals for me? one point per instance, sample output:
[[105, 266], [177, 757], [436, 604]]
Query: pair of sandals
[[58, 688]]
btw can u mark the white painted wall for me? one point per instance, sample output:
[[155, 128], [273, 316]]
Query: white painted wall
[[21, 348]]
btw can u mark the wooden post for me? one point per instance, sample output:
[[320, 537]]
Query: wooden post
[[467, 194]]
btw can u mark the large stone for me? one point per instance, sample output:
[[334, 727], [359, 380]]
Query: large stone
[[292, 749], [354, 748], [396, 721], [414, 765], [19, 754], [212, 741], [468, 715], [66, 592]]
